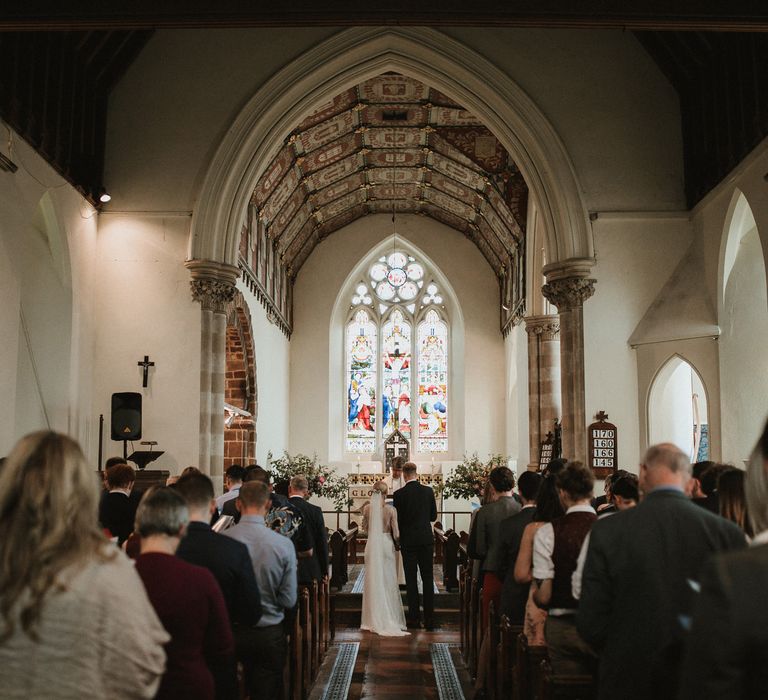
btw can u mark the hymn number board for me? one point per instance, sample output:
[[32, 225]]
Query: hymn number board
[[603, 451]]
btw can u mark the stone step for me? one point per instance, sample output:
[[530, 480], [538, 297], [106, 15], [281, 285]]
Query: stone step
[[354, 601], [351, 618]]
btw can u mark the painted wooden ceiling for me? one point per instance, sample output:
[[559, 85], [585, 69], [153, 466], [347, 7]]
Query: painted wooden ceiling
[[391, 143]]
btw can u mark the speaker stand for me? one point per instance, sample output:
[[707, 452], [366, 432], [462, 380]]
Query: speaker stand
[[125, 449]]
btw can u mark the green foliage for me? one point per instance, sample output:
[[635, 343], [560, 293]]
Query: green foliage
[[323, 480], [468, 478]]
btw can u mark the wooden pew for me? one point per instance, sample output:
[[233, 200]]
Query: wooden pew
[[447, 545], [465, 585], [552, 687], [343, 545], [527, 660], [475, 626], [505, 657], [294, 673]]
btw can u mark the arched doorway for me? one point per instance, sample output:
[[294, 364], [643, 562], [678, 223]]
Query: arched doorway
[[678, 409], [239, 387], [743, 321]]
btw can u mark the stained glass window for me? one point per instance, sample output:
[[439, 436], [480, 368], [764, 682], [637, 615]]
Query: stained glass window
[[413, 379], [361, 383], [433, 383], [396, 375]]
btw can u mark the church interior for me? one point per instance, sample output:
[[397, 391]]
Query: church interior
[[487, 231]]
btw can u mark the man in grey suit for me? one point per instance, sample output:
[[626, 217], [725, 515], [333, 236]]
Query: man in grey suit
[[641, 571], [727, 651]]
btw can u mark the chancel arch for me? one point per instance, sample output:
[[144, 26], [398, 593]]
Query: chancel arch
[[240, 396], [354, 56], [678, 409]]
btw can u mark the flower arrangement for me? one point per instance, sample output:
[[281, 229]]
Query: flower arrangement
[[468, 478], [323, 480]]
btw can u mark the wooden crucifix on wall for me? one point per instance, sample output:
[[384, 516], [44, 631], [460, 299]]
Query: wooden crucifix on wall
[[145, 364]]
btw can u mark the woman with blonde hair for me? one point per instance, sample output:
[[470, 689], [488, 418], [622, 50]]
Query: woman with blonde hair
[[382, 604], [75, 620]]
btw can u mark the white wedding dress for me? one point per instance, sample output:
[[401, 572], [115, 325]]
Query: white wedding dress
[[382, 605]]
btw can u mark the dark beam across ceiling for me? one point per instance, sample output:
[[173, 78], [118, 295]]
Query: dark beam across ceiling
[[54, 88], [689, 15], [722, 82]]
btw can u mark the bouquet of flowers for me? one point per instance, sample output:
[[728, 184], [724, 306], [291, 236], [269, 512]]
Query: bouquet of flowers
[[468, 478], [323, 480]]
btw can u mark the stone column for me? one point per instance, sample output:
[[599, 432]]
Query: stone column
[[213, 285], [544, 405], [568, 289]]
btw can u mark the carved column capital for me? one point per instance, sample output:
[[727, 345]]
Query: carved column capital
[[548, 327], [212, 284], [569, 293], [212, 294]]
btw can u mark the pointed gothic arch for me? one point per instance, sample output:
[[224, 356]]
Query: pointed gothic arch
[[677, 407], [355, 55]]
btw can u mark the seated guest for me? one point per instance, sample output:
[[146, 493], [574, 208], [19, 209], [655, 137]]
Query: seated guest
[[548, 507], [732, 499], [515, 595], [315, 567], [625, 491], [709, 480], [274, 564], [625, 494], [484, 536], [75, 623], [282, 516], [727, 649], [186, 598], [693, 487], [117, 510], [640, 576], [556, 550], [233, 480], [227, 559]]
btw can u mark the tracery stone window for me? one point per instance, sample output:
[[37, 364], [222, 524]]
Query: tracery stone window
[[396, 341]]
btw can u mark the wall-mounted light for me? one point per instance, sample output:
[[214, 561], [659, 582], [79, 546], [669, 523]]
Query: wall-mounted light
[[103, 196]]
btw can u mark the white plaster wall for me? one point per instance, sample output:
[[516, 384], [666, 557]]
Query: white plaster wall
[[617, 115], [318, 389], [743, 360], [45, 262], [736, 356], [144, 307], [271, 351], [635, 257], [516, 397]]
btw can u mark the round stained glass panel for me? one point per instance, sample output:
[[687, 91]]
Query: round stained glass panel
[[378, 272], [408, 291], [415, 271], [397, 260], [385, 290], [396, 277]]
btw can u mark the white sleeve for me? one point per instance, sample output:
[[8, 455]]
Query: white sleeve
[[579, 572], [543, 546]]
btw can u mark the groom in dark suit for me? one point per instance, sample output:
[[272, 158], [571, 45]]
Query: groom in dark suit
[[416, 510]]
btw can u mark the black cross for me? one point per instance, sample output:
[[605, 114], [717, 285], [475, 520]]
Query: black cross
[[146, 365]]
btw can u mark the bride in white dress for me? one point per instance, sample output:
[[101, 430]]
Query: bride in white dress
[[382, 605]]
